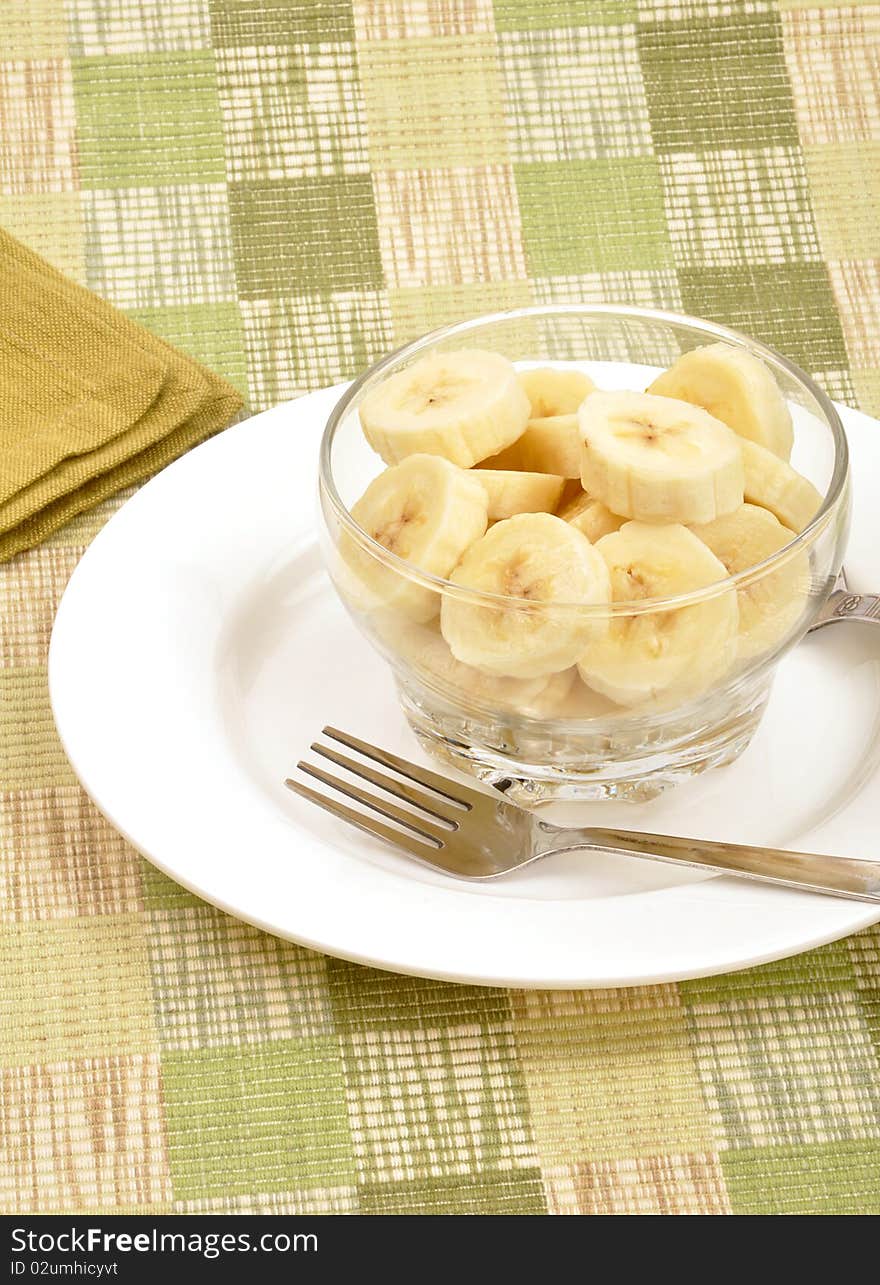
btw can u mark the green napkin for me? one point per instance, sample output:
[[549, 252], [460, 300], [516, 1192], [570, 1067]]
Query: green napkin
[[90, 402]]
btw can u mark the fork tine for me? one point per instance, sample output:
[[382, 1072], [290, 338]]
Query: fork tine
[[464, 797], [369, 824], [418, 825], [419, 798]]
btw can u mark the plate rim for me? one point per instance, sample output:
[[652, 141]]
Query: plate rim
[[853, 921]]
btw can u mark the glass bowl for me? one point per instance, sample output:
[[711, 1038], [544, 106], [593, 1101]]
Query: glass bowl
[[553, 737]]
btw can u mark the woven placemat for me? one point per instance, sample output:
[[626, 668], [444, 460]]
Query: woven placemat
[[286, 190]]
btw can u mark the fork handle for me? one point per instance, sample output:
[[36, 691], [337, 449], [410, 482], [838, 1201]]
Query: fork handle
[[808, 871]]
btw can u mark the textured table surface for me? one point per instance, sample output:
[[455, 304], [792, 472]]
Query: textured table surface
[[286, 189]]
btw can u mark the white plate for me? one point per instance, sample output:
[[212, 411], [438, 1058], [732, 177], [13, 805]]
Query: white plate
[[199, 648]]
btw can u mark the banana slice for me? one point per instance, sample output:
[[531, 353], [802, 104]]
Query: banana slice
[[661, 657], [425, 650], [544, 561], [462, 405], [511, 492], [426, 511], [583, 703], [590, 516], [551, 445], [555, 392], [553, 699], [775, 485], [736, 388], [769, 607], [571, 491], [658, 460]]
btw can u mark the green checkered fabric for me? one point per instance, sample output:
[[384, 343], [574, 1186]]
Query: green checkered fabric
[[286, 189]]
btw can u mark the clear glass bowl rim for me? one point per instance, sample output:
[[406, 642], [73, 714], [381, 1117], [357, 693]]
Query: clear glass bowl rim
[[713, 331]]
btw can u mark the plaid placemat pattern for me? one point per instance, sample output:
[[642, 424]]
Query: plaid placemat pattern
[[285, 189]]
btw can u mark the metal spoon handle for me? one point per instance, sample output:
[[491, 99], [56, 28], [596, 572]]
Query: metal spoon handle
[[843, 605]]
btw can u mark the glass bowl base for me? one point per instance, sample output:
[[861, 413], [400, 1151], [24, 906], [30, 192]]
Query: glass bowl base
[[574, 764]]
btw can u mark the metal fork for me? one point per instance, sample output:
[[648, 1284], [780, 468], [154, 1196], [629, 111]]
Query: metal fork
[[473, 835]]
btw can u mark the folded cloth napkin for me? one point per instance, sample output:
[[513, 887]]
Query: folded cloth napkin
[[90, 402]]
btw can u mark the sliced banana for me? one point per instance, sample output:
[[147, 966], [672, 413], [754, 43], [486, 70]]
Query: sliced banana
[[667, 656], [571, 491], [510, 492], [552, 391], [462, 405], [427, 652], [553, 699], [551, 445], [770, 605], [658, 460], [775, 485], [736, 388], [590, 516], [543, 561], [583, 703], [424, 510]]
